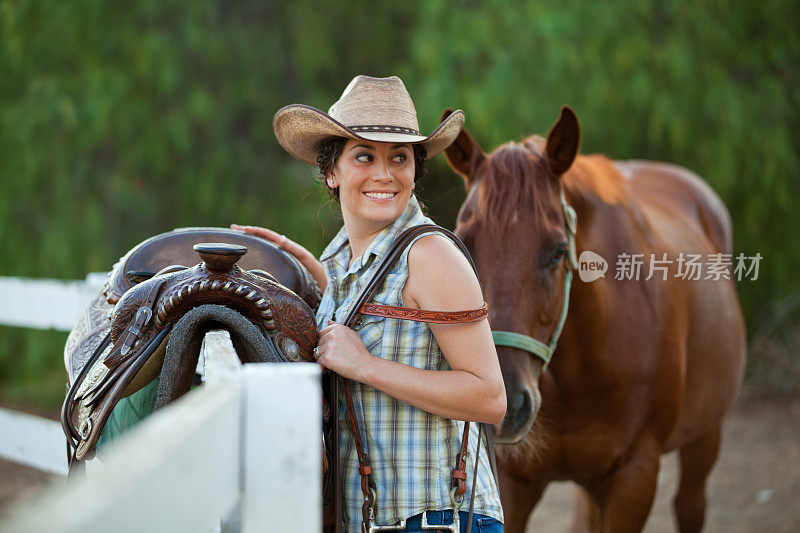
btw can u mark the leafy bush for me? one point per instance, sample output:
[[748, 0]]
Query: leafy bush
[[122, 120]]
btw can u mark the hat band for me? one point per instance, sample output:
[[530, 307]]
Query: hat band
[[385, 129]]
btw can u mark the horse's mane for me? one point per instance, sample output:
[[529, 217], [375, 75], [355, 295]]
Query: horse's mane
[[514, 179], [517, 178]]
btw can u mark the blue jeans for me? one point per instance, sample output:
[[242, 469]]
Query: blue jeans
[[480, 523]]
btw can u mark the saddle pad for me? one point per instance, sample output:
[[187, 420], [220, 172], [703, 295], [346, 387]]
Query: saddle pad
[[129, 412]]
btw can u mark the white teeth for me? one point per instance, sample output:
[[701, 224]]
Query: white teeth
[[380, 195]]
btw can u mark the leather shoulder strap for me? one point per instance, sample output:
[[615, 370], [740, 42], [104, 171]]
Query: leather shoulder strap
[[392, 255], [421, 315]]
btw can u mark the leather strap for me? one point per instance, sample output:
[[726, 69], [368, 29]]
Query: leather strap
[[489, 430], [392, 255], [364, 468], [421, 315], [338, 479], [71, 432], [460, 472], [124, 345], [474, 477]]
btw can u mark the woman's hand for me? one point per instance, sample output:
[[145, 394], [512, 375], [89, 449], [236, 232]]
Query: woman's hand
[[305, 257], [340, 349]]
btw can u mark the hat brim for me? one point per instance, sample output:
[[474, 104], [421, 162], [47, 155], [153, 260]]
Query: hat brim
[[300, 129]]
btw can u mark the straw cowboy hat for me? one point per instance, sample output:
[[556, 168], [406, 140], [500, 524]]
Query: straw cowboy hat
[[370, 109]]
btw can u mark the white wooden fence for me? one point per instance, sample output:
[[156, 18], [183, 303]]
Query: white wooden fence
[[46, 303], [33, 441], [242, 453]]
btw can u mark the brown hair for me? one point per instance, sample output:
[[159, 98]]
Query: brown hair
[[330, 150]]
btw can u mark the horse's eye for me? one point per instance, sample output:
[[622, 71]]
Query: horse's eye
[[558, 254]]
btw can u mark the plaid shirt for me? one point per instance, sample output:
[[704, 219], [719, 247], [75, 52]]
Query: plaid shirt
[[412, 452]]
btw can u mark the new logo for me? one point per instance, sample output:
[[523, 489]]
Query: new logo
[[591, 266]]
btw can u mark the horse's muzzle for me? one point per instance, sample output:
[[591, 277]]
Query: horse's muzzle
[[523, 406]]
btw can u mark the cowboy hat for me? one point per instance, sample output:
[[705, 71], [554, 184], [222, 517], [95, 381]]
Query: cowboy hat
[[370, 109]]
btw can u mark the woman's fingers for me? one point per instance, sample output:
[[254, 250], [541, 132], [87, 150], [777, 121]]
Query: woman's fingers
[[278, 238], [259, 231], [329, 327], [320, 352], [305, 257], [341, 349]]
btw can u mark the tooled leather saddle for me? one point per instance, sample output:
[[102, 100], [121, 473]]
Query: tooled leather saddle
[[153, 312]]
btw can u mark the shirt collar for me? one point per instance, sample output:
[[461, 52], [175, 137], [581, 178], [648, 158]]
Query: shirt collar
[[339, 251]]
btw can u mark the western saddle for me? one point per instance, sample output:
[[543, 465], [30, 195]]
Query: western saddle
[[154, 311]]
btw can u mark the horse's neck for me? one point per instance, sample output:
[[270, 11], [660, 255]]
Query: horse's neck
[[610, 223], [594, 189]]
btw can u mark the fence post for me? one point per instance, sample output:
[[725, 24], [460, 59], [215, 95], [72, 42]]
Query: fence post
[[282, 448]]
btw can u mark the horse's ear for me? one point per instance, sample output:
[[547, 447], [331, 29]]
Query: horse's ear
[[563, 141], [464, 155]]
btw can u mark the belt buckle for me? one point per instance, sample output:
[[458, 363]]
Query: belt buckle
[[392, 527], [455, 527]]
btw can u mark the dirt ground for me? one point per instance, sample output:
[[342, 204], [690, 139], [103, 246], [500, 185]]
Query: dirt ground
[[754, 487]]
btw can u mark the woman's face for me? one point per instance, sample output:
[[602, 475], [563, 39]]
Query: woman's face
[[375, 181]]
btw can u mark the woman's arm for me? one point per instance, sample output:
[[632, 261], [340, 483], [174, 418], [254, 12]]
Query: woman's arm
[[305, 257], [440, 279]]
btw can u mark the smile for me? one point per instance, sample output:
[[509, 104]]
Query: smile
[[380, 195]]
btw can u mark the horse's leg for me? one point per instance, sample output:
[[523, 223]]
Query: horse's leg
[[585, 513], [697, 458], [626, 495], [519, 497]]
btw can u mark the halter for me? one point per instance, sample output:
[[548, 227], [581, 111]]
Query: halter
[[529, 344]]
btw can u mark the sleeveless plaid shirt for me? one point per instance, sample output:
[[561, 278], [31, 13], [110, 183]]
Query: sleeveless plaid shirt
[[412, 452]]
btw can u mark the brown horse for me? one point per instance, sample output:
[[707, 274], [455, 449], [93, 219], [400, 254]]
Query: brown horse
[[643, 366]]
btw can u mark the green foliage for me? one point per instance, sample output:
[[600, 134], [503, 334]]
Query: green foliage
[[119, 120], [32, 369]]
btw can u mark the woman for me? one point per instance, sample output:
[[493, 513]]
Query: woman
[[413, 381]]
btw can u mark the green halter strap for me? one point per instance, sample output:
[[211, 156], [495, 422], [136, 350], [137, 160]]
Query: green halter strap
[[529, 344]]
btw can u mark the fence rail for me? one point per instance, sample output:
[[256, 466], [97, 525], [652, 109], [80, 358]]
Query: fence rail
[[30, 440], [33, 441], [235, 448], [47, 303], [243, 451]]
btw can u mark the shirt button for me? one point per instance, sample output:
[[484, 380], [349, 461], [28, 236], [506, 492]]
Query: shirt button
[[359, 322]]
